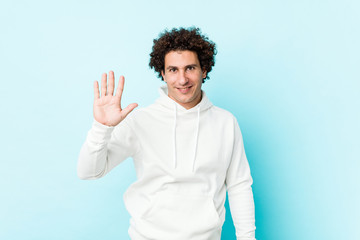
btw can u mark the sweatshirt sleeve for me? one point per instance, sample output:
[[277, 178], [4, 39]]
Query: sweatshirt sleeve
[[104, 148], [238, 184]]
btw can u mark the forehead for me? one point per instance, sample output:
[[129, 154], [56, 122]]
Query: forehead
[[181, 58]]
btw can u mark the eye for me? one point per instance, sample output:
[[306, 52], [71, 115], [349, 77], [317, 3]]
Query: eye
[[172, 70], [190, 68]]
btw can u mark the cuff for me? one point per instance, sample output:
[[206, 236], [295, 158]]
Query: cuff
[[99, 132]]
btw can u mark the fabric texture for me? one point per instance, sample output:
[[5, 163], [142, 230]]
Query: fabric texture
[[185, 161]]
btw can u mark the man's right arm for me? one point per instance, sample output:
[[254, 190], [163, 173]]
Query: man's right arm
[[108, 142], [104, 148]]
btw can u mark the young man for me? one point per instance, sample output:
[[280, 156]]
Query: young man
[[187, 153]]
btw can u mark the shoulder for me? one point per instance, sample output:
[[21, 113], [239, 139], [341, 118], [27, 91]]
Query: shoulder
[[222, 114], [222, 111], [140, 115], [139, 112]]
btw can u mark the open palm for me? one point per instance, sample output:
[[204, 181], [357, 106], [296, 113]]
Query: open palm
[[107, 107]]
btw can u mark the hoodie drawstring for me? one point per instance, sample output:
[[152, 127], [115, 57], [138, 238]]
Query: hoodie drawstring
[[174, 134], [196, 137]]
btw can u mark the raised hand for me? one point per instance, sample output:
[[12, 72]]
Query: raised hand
[[107, 107]]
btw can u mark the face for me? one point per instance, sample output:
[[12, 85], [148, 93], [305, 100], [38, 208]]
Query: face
[[183, 76]]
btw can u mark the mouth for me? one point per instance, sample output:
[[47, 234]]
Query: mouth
[[184, 89]]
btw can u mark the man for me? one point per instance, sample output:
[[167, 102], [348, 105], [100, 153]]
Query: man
[[187, 153]]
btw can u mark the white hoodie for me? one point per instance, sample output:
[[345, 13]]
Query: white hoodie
[[185, 161]]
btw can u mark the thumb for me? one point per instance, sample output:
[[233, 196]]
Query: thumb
[[128, 109]]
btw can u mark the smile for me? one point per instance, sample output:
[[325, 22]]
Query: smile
[[184, 89]]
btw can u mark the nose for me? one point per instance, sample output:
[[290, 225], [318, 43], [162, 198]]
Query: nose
[[183, 80]]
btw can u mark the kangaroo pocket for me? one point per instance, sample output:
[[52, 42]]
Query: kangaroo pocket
[[183, 215]]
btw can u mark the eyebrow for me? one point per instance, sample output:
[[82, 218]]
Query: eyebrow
[[190, 65]]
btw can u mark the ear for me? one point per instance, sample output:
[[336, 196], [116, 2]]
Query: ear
[[163, 75], [204, 72]]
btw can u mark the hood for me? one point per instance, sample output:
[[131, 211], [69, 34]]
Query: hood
[[169, 104]]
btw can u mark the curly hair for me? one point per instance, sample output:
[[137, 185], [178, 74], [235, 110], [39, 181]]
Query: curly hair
[[183, 39]]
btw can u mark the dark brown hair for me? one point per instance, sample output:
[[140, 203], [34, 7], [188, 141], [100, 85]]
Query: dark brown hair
[[183, 39]]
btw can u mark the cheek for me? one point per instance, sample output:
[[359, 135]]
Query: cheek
[[171, 86], [170, 79]]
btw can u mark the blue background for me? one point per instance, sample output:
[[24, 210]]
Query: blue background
[[288, 70]]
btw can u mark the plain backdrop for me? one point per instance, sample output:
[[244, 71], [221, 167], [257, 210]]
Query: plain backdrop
[[288, 71]]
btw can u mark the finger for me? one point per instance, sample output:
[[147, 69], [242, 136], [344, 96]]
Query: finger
[[110, 90], [96, 90], [120, 87], [103, 84], [128, 109]]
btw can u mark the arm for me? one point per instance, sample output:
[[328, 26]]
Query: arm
[[238, 183], [106, 146]]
